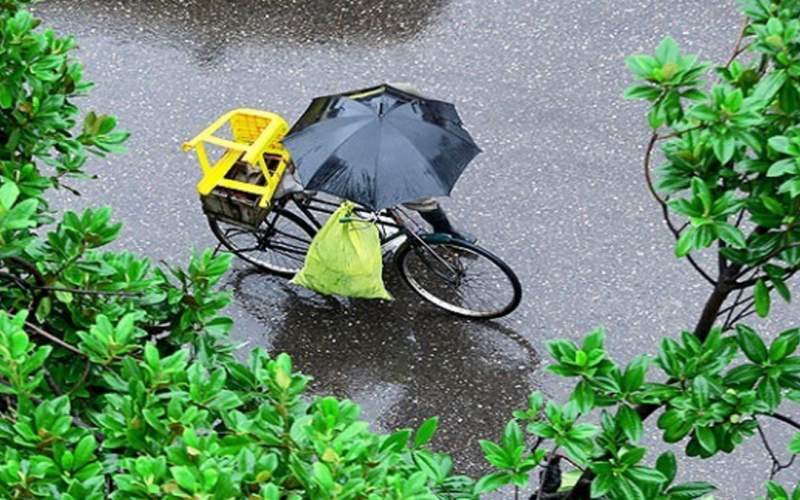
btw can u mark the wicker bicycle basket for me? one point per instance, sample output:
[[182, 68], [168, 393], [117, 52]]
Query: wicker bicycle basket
[[237, 207], [244, 167]]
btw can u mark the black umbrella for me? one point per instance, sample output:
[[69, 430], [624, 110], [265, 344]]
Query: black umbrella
[[380, 147]]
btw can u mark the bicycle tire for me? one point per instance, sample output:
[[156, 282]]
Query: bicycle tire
[[294, 250], [412, 249]]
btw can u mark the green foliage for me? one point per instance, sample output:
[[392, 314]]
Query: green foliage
[[708, 404], [777, 492], [734, 147], [117, 377], [729, 183]]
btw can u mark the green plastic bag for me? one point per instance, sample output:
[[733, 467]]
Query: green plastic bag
[[344, 258]]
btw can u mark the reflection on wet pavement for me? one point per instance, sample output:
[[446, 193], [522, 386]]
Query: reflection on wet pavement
[[208, 29], [403, 361]]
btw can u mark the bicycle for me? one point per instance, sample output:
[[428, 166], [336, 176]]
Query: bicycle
[[438, 267], [238, 193]]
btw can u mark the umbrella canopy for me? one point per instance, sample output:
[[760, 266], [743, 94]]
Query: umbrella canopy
[[380, 147]]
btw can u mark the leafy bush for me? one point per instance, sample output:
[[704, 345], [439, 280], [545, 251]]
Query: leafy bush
[[117, 377], [729, 184]]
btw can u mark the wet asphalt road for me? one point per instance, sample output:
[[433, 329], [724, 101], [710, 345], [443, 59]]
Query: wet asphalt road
[[558, 192]]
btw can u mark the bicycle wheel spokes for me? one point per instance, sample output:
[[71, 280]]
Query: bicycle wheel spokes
[[279, 245], [463, 279]]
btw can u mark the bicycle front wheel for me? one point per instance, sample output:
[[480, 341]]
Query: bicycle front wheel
[[278, 246], [460, 277]]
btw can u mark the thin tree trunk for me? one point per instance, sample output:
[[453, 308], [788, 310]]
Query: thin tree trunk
[[711, 311]]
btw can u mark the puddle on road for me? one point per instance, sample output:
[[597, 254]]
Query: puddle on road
[[208, 28], [403, 361]]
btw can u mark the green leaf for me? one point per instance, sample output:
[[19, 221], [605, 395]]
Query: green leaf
[[667, 464], [583, 395], [751, 344], [631, 423], [769, 391], [791, 186], [746, 374], [396, 441], [323, 476], [582, 432], [594, 340], [645, 475], [701, 390], [495, 455], [724, 148], [492, 482], [601, 485], [773, 205], [667, 51], [184, 477], [647, 92], [627, 489], [425, 461], [685, 242], [781, 144], [769, 85], [701, 190], [762, 299], [84, 450], [776, 491], [774, 26], [731, 235], [8, 194], [782, 289], [425, 432], [705, 436], [6, 99], [642, 66], [691, 490], [703, 113], [20, 216], [794, 445], [151, 356], [779, 349], [512, 438], [782, 167]]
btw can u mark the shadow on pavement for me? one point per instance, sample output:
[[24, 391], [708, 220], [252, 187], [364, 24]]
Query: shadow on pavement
[[403, 361]]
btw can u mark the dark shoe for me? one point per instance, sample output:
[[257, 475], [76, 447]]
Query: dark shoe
[[441, 224]]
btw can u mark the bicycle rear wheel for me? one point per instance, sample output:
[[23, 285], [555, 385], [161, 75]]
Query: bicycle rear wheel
[[278, 246], [475, 283]]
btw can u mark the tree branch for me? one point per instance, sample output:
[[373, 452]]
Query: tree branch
[[784, 419], [52, 338], [79, 291], [777, 466], [647, 175], [665, 208], [738, 49], [747, 311], [764, 260], [753, 281]]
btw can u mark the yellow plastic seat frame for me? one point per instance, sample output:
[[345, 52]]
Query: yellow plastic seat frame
[[255, 134]]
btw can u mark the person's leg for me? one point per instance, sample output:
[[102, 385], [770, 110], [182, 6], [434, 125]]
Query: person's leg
[[430, 210]]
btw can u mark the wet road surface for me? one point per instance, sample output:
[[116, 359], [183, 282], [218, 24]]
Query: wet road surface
[[558, 192]]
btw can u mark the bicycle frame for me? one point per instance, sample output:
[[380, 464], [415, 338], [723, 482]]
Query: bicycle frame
[[303, 213], [313, 204]]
